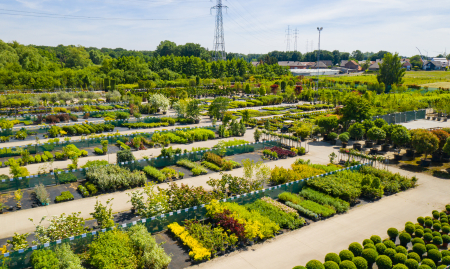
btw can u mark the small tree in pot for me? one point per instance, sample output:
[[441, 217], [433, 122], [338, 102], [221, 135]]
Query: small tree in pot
[[344, 137], [401, 137], [425, 142], [442, 136], [357, 131], [376, 134], [332, 138], [328, 124]]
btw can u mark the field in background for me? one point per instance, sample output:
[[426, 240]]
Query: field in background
[[432, 79]]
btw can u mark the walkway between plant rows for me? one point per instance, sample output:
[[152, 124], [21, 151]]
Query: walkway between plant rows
[[335, 234], [18, 221]]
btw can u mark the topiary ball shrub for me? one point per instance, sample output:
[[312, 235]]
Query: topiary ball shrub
[[331, 265], [412, 264], [427, 237], [418, 227], [333, 257], [429, 262], [400, 266], [420, 249], [399, 258], [437, 240], [417, 240], [435, 214], [383, 262], [366, 246], [428, 223], [314, 264], [434, 255], [401, 249], [375, 239], [445, 253], [392, 233], [418, 233], [445, 229], [389, 244], [381, 248], [409, 228], [346, 255], [424, 266], [436, 234], [446, 260], [405, 238], [445, 239], [414, 256], [390, 252], [360, 263], [370, 255], [430, 246], [355, 248], [367, 241], [421, 220], [427, 230], [347, 265], [437, 227]]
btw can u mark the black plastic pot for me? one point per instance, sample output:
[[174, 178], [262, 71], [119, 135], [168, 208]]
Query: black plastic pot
[[436, 157], [373, 151], [409, 153], [357, 146], [385, 147], [398, 157], [344, 144], [425, 163], [369, 144], [380, 142]]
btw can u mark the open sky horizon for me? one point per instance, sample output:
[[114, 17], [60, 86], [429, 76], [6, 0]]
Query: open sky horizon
[[250, 26]]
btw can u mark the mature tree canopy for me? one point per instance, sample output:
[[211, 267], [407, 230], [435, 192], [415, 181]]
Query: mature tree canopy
[[355, 108], [391, 71]]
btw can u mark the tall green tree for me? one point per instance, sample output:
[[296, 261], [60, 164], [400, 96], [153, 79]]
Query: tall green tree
[[355, 108], [391, 71]]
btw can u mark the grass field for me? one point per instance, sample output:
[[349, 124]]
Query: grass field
[[434, 79]]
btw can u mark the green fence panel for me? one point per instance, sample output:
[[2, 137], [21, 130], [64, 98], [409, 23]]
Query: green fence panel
[[45, 179]]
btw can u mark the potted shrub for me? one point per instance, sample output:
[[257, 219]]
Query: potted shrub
[[332, 138], [437, 240], [425, 142], [405, 238], [392, 233], [357, 131], [344, 137], [375, 134], [445, 240], [18, 195], [400, 137], [442, 136]]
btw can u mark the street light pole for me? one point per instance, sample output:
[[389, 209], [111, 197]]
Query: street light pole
[[318, 58]]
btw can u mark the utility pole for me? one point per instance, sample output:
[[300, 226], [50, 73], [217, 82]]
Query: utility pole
[[219, 36], [288, 39], [318, 57], [295, 39]]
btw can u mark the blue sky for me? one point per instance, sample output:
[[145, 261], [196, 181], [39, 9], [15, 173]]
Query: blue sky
[[250, 26]]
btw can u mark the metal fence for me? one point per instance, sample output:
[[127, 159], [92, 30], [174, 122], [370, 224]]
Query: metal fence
[[402, 117], [80, 243], [158, 162]]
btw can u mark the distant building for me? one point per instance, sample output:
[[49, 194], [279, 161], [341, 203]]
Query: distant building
[[374, 67], [321, 65], [352, 65], [444, 62], [432, 65], [343, 63], [294, 64]]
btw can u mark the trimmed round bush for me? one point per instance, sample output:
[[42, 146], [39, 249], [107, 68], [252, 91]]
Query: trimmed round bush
[[409, 228], [401, 249], [417, 240], [418, 233], [405, 238], [381, 248], [434, 255], [367, 241], [408, 223], [366, 246], [414, 256], [346, 255], [428, 223], [389, 244], [376, 239], [392, 233], [437, 240], [427, 230], [347, 265], [412, 264], [443, 221], [428, 218], [429, 262], [390, 252], [418, 227], [370, 255], [435, 214], [383, 262], [400, 266], [445, 229], [430, 246], [445, 253], [355, 248], [399, 258], [333, 257], [331, 265], [445, 239], [314, 264], [446, 260], [421, 220], [437, 227], [420, 249], [427, 237], [436, 234], [360, 263], [424, 266]]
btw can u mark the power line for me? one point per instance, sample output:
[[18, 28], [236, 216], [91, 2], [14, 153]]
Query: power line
[[219, 35], [288, 39], [295, 37]]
